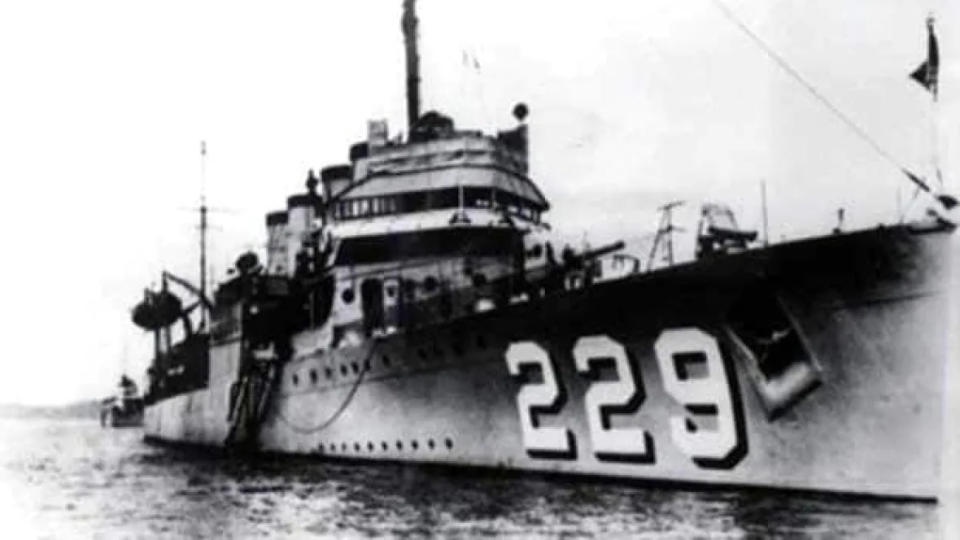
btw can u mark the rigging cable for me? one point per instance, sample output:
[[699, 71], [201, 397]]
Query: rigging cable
[[810, 88]]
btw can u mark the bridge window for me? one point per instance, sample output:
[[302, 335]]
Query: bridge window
[[477, 197], [420, 201]]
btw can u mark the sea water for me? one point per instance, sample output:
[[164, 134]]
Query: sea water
[[74, 479]]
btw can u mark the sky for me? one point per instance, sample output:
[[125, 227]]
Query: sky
[[103, 105]]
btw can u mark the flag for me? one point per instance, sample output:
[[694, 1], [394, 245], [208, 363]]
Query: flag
[[927, 73]]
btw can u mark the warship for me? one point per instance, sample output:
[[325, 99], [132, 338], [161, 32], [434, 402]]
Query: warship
[[413, 307], [125, 408]]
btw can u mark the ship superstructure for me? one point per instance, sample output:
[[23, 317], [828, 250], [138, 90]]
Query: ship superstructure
[[412, 307]]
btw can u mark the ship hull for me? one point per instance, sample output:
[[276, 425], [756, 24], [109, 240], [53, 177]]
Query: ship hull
[[813, 365]]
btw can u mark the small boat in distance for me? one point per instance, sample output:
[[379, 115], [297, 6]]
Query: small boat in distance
[[125, 408]]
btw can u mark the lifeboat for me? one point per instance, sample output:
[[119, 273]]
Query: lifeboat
[[157, 310]]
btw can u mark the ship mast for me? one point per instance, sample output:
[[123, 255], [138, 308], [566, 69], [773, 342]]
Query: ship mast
[[664, 234], [933, 58], [203, 231], [409, 25]]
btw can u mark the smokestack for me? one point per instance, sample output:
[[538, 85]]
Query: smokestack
[[409, 25]]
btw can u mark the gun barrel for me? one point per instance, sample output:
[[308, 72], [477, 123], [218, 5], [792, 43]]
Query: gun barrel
[[603, 250]]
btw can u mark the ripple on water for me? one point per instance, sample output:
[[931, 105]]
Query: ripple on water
[[75, 476]]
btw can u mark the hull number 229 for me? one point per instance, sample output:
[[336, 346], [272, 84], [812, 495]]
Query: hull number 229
[[710, 432]]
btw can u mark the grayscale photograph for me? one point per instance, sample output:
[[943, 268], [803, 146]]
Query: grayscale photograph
[[444, 268]]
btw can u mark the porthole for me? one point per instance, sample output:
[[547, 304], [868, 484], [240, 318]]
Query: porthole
[[347, 295], [448, 443], [430, 284], [399, 445], [369, 446], [356, 447], [328, 372], [366, 365], [430, 444], [296, 379], [313, 376], [536, 251], [384, 445], [320, 448], [354, 367], [414, 444], [343, 370], [343, 447], [391, 291]]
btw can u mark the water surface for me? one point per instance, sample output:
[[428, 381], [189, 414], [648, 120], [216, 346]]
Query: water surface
[[66, 479]]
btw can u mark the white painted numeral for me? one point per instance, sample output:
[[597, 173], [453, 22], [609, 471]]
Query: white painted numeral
[[533, 398], [706, 395], [602, 396]]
